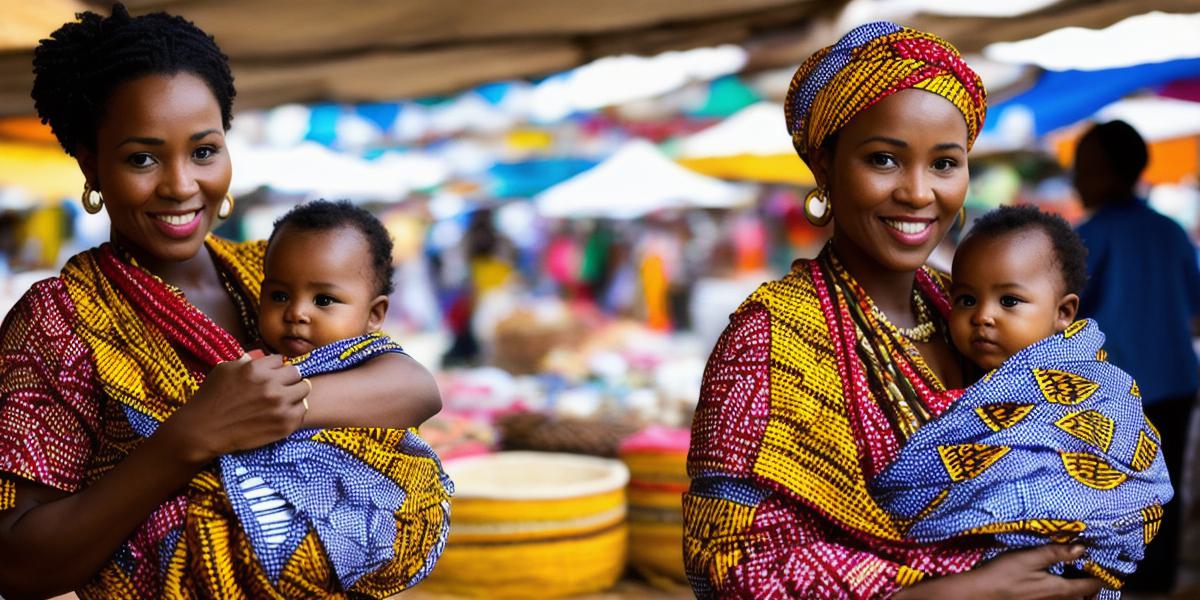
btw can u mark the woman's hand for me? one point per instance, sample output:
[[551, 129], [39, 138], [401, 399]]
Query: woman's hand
[[1015, 575], [242, 404]]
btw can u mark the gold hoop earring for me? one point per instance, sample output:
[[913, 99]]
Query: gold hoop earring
[[92, 206], [226, 208], [817, 207], [962, 217]]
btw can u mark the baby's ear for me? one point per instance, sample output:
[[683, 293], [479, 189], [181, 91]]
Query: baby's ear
[[379, 307], [1068, 306]]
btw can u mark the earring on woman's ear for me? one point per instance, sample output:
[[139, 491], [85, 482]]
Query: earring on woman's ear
[[962, 217], [92, 206], [226, 208], [817, 207]]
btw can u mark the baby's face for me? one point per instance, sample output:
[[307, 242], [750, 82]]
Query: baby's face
[[318, 288], [1007, 294]]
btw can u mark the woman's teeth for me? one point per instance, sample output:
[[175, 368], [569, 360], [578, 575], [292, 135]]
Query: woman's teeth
[[909, 227], [177, 219]]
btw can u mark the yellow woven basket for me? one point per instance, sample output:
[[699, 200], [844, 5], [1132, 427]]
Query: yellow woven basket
[[657, 461], [533, 525]]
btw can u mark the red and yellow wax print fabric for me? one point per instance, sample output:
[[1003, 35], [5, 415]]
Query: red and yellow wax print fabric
[[868, 64], [104, 336], [786, 437]]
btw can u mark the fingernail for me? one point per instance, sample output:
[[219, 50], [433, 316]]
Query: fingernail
[[1076, 550]]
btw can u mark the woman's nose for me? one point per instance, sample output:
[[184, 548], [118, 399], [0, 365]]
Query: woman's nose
[[177, 182], [915, 189]]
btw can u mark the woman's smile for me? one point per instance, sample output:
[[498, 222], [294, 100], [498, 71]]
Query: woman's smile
[[909, 231], [178, 225]]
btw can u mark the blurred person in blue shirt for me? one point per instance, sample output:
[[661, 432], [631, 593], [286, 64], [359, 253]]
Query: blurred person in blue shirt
[[1144, 289]]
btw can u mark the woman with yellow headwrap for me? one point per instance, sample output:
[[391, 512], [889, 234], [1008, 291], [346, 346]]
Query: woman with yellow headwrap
[[821, 376]]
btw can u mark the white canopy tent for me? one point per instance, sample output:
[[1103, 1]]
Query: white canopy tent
[[636, 180], [757, 129]]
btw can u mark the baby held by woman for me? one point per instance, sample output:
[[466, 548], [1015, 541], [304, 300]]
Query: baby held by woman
[[364, 492], [1051, 444]]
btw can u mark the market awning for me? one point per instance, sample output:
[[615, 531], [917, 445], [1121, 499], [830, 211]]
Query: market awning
[[751, 145], [329, 50], [636, 180]]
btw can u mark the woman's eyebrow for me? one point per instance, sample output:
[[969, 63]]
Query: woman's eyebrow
[[886, 140], [149, 141]]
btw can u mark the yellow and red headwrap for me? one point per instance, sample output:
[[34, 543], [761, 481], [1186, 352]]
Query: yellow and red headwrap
[[868, 64]]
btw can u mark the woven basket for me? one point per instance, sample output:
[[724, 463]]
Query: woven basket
[[657, 461], [533, 525], [560, 433]]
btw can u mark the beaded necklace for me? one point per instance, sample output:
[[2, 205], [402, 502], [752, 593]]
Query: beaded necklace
[[920, 333], [236, 291], [887, 354]]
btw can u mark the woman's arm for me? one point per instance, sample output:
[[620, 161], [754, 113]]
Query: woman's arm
[[1017, 575], [53, 540], [391, 390]]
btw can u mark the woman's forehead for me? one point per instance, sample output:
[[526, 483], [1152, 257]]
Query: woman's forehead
[[909, 113], [161, 100]]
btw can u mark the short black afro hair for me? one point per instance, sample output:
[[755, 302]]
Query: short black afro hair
[[323, 215], [77, 69], [1123, 146], [1069, 250]]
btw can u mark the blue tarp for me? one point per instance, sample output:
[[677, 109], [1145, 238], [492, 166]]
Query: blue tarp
[[1062, 98]]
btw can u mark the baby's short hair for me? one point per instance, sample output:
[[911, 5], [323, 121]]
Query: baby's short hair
[[323, 215], [1069, 251]]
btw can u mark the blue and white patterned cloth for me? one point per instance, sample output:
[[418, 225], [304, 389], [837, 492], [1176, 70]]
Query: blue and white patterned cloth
[[1052, 446], [281, 491]]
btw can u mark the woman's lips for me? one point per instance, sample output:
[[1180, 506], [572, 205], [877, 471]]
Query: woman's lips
[[177, 225], [910, 232]]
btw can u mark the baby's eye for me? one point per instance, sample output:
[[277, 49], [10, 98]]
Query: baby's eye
[[964, 300], [1009, 301], [278, 297], [323, 300]]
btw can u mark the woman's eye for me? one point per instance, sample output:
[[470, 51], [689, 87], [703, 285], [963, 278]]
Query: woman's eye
[[278, 297], [204, 152], [880, 159], [141, 160], [323, 300], [944, 164], [1009, 301]]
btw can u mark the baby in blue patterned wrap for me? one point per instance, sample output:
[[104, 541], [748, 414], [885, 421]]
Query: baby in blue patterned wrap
[[1051, 445], [324, 297]]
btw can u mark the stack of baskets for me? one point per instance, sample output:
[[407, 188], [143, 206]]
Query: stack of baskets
[[657, 461], [533, 524]]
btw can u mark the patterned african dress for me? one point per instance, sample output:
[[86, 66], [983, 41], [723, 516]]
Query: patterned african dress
[[1052, 446], [91, 361], [806, 398]]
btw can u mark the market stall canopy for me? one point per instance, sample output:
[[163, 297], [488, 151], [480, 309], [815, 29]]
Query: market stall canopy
[[312, 50], [636, 180], [751, 145], [1062, 98]]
